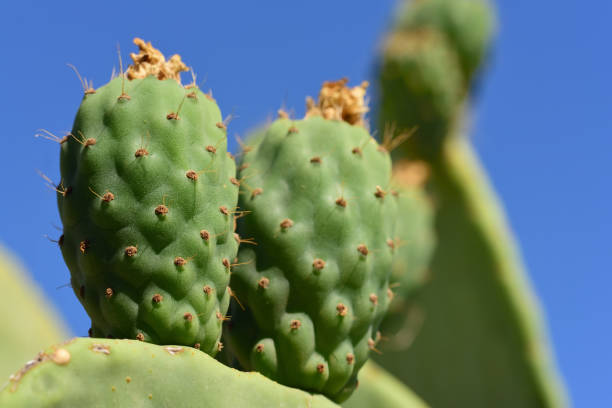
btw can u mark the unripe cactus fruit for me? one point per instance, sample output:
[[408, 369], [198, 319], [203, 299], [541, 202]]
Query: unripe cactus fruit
[[315, 287], [147, 206], [414, 248], [428, 66], [468, 25], [421, 72]]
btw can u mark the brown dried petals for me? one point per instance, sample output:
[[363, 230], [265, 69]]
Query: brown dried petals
[[339, 102], [150, 61]]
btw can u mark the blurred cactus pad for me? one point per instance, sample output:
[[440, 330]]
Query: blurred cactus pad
[[27, 322], [130, 373], [479, 339]]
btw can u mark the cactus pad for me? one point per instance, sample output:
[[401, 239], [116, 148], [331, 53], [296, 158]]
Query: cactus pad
[[421, 88], [468, 25], [127, 373], [481, 343], [27, 321]]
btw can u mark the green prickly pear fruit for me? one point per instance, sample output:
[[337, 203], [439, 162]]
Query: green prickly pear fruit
[[414, 248], [128, 373], [467, 25], [421, 71], [147, 198], [428, 64], [315, 288]]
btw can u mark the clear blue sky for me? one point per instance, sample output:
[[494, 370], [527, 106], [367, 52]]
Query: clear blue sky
[[542, 124]]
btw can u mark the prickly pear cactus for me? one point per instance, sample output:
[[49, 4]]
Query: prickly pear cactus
[[313, 290], [414, 249], [482, 342], [478, 297], [147, 200], [127, 373]]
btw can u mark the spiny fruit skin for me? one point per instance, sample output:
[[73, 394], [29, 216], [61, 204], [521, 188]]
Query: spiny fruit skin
[[128, 373], [477, 280], [414, 248], [322, 222], [139, 190], [416, 239]]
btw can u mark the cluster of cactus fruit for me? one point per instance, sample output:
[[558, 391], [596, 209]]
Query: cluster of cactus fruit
[[287, 263], [149, 204]]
